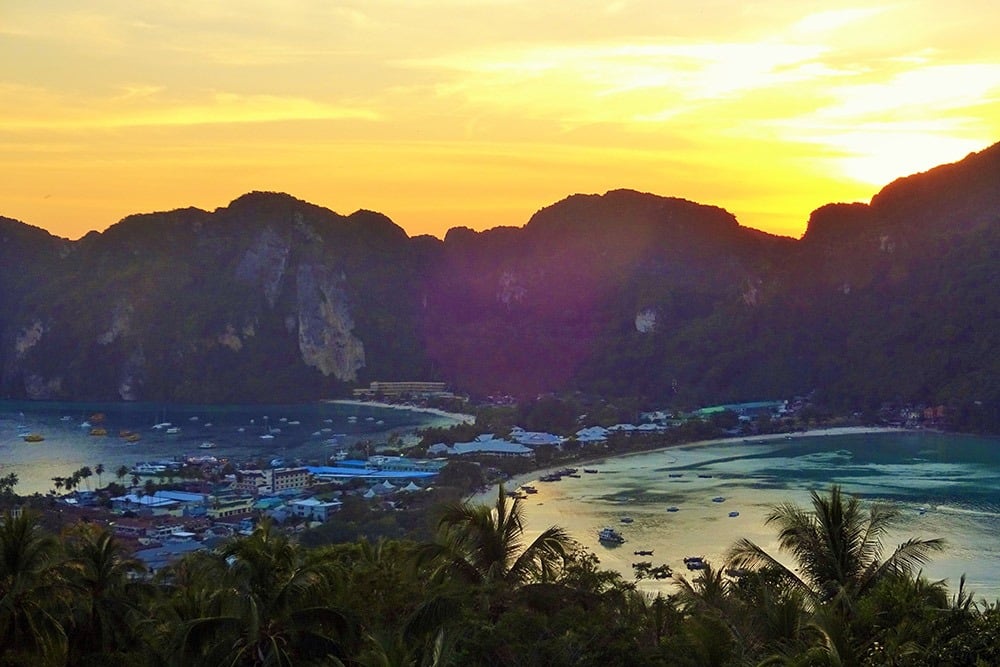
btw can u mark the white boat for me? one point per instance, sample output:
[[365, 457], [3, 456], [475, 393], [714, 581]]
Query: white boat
[[174, 430], [206, 445], [267, 436], [162, 425], [148, 469], [611, 536]]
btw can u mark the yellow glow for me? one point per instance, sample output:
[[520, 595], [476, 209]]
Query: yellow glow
[[442, 113]]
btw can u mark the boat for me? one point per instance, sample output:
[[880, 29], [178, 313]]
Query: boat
[[734, 514], [673, 509], [528, 489], [161, 426], [34, 437], [718, 499], [609, 535], [267, 436], [705, 476], [173, 430], [206, 445], [590, 471], [694, 562], [148, 469], [98, 432], [133, 437], [627, 519], [675, 474], [643, 552]]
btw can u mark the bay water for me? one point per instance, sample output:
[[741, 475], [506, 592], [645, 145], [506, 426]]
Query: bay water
[[309, 432], [943, 486]]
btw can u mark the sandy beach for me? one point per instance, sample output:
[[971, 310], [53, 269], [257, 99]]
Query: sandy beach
[[456, 417], [528, 477]]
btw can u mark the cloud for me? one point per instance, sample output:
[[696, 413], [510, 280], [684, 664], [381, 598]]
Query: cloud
[[145, 106]]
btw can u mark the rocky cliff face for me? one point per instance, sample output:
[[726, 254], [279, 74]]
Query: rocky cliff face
[[326, 329], [272, 298]]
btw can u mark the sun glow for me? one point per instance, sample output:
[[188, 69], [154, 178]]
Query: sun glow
[[452, 112]]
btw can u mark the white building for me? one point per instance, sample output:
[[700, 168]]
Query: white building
[[313, 509]]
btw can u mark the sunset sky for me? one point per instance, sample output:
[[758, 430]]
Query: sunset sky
[[441, 113]]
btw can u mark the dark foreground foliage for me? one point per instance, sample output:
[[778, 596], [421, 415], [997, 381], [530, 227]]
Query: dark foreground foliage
[[483, 593]]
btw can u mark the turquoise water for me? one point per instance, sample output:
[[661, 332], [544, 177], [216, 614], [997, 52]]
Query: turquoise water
[[945, 486], [306, 431]]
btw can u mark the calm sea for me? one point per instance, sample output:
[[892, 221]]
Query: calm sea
[[944, 486], [306, 431]]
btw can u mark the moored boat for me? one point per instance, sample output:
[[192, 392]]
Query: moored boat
[[609, 535], [694, 562]]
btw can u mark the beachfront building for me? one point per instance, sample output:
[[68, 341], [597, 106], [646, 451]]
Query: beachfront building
[[745, 411], [489, 445], [398, 389], [592, 435], [535, 438]]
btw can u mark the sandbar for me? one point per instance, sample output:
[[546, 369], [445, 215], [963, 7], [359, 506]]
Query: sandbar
[[456, 417]]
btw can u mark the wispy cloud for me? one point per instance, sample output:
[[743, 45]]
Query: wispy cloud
[[145, 106]]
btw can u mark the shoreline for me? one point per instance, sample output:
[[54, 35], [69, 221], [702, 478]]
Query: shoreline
[[516, 481], [456, 417]]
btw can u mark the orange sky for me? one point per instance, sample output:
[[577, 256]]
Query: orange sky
[[441, 113]]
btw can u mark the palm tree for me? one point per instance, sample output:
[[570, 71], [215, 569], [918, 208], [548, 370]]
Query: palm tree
[[121, 472], [99, 470], [31, 593], [106, 590], [270, 608], [85, 474], [58, 482], [837, 547], [484, 544]]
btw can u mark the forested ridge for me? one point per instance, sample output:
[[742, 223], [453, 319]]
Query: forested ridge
[[624, 294]]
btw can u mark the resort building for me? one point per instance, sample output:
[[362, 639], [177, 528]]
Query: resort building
[[535, 438], [397, 389], [489, 445]]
